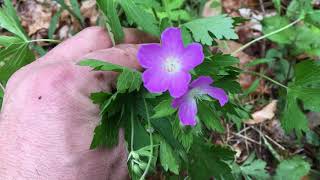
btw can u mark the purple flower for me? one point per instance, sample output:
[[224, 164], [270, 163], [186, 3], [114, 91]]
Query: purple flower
[[168, 65], [187, 103]]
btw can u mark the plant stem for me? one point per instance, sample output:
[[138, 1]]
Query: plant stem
[[2, 87], [44, 40], [265, 77], [266, 35], [132, 129], [151, 141]]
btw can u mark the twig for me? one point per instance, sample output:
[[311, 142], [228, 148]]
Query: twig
[[270, 139], [266, 35], [247, 138], [265, 77], [269, 146]]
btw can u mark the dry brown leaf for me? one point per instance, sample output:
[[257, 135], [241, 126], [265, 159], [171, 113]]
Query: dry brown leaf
[[209, 11], [35, 15], [89, 11], [266, 113]]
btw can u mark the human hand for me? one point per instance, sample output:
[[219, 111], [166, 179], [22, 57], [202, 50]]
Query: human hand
[[47, 119]]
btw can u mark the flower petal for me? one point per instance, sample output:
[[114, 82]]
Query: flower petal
[[201, 81], [178, 101], [171, 40], [179, 84], [187, 112], [155, 81], [150, 55], [217, 93], [192, 56]]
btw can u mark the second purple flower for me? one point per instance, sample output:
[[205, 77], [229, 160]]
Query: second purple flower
[[168, 65]]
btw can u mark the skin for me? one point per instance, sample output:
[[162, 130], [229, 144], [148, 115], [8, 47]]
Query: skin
[[47, 119]]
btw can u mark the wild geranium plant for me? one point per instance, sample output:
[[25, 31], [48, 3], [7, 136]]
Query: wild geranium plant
[[187, 93], [173, 100], [168, 109]]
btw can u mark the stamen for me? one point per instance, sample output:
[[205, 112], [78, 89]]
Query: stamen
[[172, 65]]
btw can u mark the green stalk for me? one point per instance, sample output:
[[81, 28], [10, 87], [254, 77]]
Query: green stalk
[[265, 77], [44, 40], [132, 129], [151, 141], [266, 35]]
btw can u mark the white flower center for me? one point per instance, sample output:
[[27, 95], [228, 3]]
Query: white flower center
[[172, 65]]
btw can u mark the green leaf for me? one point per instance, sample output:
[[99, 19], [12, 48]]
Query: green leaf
[[220, 26], [98, 65], [9, 40], [313, 18], [53, 23], [235, 113], [207, 161], [99, 97], [141, 17], [305, 41], [115, 114], [307, 72], [277, 5], [9, 20], [298, 8], [219, 67], [183, 134], [309, 96], [109, 10], [209, 117], [293, 169], [274, 23], [104, 134], [163, 109], [260, 61], [312, 138], [293, 118], [74, 11], [230, 86], [174, 4], [1, 97], [223, 60], [76, 8], [13, 58], [129, 80], [165, 129], [168, 158], [253, 87], [254, 168]]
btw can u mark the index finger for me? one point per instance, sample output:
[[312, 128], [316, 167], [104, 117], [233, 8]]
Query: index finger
[[93, 39]]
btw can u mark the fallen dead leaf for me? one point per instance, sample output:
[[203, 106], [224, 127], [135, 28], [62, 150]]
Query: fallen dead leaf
[[89, 11], [266, 113], [35, 15], [209, 11]]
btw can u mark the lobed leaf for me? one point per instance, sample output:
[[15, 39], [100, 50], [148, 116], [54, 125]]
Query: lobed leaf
[[293, 169], [163, 109], [140, 16], [220, 26], [207, 161], [98, 65], [109, 10], [169, 158], [129, 80]]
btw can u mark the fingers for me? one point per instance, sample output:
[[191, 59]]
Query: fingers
[[124, 55], [135, 36], [88, 40], [92, 39]]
